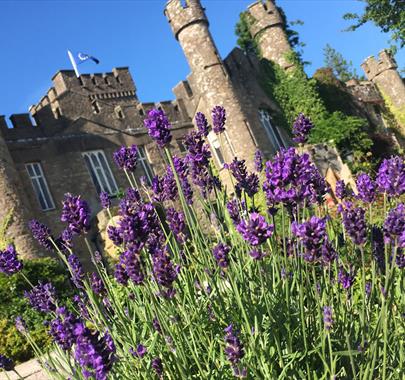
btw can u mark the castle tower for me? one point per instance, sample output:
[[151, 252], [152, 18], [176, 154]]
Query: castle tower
[[210, 77], [383, 73], [11, 201], [268, 29]]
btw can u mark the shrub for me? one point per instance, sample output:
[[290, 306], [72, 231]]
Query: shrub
[[294, 291]]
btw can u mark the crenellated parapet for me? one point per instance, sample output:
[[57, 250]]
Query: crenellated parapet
[[267, 27], [384, 74], [181, 14]]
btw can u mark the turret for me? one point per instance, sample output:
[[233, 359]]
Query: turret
[[383, 73], [268, 29], [210, 78], [12, 201]]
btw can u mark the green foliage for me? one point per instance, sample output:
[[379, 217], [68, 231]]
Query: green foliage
[[245, 40], [342, 69], [389, 15], [13, 304]]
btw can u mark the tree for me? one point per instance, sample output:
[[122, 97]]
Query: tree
[[389, 15], [342, 69]]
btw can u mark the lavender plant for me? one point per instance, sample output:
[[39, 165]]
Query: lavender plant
[[289, 289]]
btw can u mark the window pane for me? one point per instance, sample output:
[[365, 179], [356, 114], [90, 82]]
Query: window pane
[[92, 173], [37, 169], [40, 186], [30, 170], [107, 171], [39, 194], [45, 192]]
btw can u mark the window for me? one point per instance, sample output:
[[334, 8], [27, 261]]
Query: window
[[119, 112], [40, 186], [182, 148], [100, 172], [272, 131], [216, 147], [144, 162], [96, 107]]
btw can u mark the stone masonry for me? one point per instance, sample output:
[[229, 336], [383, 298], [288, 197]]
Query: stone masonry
[[66, 142]]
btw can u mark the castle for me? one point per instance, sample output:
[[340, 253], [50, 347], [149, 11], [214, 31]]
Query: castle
[[66, 142]]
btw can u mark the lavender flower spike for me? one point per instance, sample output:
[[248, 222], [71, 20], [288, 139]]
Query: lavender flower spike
[[366, 188], [9, 263], [218, 119], [256, 230], [42, 297], [126, 158], [391, 176], [301, 128], [327, 317], [158, 127], [6, 363], [76, 212]]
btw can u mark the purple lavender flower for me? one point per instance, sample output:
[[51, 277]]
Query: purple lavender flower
[[218, 119], [177, 223], [62, 328], [234, 350], [42, 297], [126, 158], [329, 254], [220, 253], [120, 274], [169, 185], [202, 123], [76, 212], [94, 353], [164, 272], [301, 128], [182, 169], [394, 224], [76, 270], [20, 324], [378, 250], [354, 222], [341, 190], [105, 200], [233, 210], [139, 352], [97, 284], [391, 176], [6, 363], [244, 181], [293, 180], [368, 288], [157, 366], [129, 204], [158, 127], [9, 263], [81, 304], [346, 279], [156, 325], [366, 188], [259, 161], [132, 261], [327, 317], [41, 233], [256, 230], [312, 235], [400, 259], [256, 254]]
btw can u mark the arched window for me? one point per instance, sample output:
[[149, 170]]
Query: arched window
[[271, 130]]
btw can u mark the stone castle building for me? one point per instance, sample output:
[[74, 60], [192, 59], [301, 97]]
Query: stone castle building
[[66, 141]]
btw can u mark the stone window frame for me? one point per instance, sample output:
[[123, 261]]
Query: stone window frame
[[144, 161], [40, 185], [100, 171], [271, 130], [119, 113], [216, 148]]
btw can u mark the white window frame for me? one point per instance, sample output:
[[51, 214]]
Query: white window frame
[[144, 161], [272, 132], [216, 148], [40, 186], [103, 174]]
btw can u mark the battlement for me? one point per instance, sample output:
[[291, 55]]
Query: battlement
[[181, 13], [373, 67], [264, 15]]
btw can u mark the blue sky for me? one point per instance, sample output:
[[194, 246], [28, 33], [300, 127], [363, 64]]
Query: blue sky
[[34, 37]]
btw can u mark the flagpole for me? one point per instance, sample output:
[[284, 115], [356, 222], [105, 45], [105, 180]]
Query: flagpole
[[73, 62]]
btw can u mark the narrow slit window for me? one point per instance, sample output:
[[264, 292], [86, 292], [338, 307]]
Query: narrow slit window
[[96, 107], [216, 148], [100, 172], [40, 186]]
